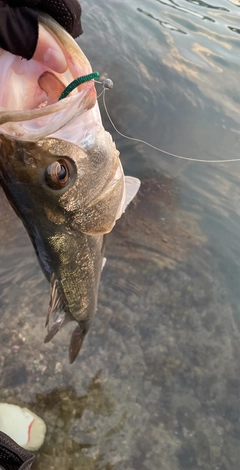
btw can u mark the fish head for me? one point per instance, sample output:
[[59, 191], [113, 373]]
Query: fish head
[[99, 184], [87, 189], [47, 134]]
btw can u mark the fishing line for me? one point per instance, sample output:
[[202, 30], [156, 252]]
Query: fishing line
[[107, 85], [100, 94]]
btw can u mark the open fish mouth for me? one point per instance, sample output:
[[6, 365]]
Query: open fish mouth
[[29, 106]]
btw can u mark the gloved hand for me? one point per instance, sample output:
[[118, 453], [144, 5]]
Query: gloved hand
[[21, 35]]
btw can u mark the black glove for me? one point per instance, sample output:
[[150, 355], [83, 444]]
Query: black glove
[[12, 456], [19, 22]]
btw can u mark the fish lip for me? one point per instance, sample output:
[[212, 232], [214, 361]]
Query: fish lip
[[78, 65], [11, 115], [29, 114], [24, 126]]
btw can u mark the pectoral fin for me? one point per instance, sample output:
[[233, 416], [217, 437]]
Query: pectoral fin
[[132, 186], [104, 262]]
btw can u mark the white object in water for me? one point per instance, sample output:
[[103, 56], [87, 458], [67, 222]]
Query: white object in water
[[23, 426]]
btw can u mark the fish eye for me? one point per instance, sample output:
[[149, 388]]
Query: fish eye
[[57, 174]]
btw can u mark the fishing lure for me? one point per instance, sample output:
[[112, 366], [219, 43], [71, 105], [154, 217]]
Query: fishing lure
[[78, 81]]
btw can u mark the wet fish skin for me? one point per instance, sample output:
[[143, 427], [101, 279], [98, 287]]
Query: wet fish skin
[[66, 225]]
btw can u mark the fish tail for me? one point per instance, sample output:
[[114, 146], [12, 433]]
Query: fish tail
[[76, 341]]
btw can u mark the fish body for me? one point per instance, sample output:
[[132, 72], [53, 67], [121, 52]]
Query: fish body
[[61, 172]]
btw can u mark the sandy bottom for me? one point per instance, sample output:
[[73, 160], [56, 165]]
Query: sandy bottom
[[156, 386]]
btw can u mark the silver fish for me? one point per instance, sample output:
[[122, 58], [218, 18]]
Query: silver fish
[[61, 172]]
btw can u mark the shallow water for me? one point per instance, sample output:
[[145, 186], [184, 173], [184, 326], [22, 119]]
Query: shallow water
[[156, 386]]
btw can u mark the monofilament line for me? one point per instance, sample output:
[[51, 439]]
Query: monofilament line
[[161, 150]]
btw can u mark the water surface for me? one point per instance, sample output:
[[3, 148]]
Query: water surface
[[156, 386]]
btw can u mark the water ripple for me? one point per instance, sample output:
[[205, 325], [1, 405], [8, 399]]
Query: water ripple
[[235, 30], [162, 23], [206, 5], [175, 6]]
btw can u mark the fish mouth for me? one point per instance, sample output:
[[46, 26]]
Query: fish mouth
[[29, 106]]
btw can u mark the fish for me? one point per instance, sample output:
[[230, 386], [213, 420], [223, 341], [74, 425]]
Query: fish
[[62, 174]]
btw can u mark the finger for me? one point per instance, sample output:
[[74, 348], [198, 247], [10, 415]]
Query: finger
[[49, 53]]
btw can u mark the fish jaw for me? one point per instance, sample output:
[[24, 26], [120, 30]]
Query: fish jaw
[[29, 106]]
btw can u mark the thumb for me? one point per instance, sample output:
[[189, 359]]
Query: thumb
[[48, 52]]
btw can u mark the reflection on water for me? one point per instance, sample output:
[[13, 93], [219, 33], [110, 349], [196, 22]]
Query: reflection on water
[[235, 30], [162, 23], [156, 385], [174, 5]]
